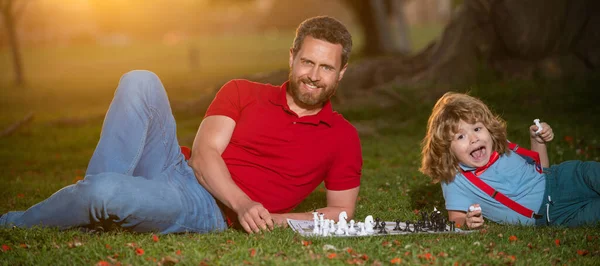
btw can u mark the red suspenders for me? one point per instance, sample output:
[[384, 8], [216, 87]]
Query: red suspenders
[[513, 205]]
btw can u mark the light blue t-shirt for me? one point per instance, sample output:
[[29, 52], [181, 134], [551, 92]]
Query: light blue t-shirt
[[510, 175]]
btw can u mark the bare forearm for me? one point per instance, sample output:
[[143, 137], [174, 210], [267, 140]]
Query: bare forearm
[[541, 149], [215, 178], [329, 212]]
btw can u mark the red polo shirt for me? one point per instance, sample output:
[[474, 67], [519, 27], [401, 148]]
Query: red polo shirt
[[278, 158]]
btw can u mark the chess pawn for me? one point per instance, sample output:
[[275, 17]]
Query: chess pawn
[[340, 230], [363, 230], [325, 229], [369, 224], [331, 226], [342, 219], [316, 225], [351, 230]]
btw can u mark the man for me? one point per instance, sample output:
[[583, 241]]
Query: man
[[259, 152]]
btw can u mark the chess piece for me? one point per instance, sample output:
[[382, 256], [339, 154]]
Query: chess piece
[[407, 228], [397, 228], [342, 220], [369, 224], [351, 230], [363, 230], [331, 226], [377, 223], [382, 229], [315, 215], [325, 228], [316, 225], [452, 226]]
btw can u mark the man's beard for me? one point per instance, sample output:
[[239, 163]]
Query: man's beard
[[307, 98]]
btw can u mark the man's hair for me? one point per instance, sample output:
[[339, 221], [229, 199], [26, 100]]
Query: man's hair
[[327, 29], [438, 162]]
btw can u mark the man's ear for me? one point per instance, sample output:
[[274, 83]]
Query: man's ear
[[291, 57], [343, 71]]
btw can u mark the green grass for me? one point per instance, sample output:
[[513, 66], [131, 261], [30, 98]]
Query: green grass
[[78, 82]]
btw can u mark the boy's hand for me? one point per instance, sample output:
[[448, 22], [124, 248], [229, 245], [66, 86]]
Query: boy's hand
[[546, 135], [474, 218]]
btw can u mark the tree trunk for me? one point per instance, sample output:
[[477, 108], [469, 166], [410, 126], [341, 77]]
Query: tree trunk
[[10, 23]]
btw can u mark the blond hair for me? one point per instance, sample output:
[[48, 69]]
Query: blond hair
[[438, 162]]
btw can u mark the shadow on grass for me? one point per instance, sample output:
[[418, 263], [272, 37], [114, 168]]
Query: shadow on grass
[[426, 197]]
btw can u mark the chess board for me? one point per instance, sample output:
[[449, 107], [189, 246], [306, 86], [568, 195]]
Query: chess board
[[305, 228]]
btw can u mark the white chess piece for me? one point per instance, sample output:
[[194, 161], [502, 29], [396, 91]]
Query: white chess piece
[[369, 224], [331, 226], [351, 230], [316, 225], [363, 230], [473, 208], [342, 219], [537, 123], [325, 228], [315, 215]]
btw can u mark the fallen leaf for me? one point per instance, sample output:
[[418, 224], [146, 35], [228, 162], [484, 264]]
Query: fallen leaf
[[168, 260], [327, 247], [557, 242], [23, 245], [139, 251], [178, 252], [5, 248], [155, 238], [252, 252], [581, 252], [396, 260], [130, 244], [20, 195], [331, 255], [426, 256], [512, 238], [306, 243], [107, 246], [103, 263]]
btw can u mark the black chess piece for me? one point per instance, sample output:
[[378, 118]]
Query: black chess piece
[[452, 226], [377, 223], [397, 228], [382, 228], [407, 227]]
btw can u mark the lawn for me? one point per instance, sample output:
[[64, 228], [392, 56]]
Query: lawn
[[69, 88]]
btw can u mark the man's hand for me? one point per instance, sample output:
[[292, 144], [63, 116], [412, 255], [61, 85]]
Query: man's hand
[[279, 219], [254, 217]]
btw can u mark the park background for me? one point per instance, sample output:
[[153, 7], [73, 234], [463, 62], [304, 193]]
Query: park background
[[73, 52]]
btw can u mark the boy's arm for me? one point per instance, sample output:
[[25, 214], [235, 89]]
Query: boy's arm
[[538, 141]]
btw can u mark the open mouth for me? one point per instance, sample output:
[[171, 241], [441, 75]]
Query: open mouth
[[478, 153]]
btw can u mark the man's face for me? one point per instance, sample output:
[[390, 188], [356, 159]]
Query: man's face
[[472, 144], [315, 72]]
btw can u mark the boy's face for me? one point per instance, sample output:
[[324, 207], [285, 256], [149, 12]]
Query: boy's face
[[472, 144]]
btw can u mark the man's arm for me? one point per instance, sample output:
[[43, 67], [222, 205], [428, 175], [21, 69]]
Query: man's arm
[[538, 142], [337, 201], [211, 171]]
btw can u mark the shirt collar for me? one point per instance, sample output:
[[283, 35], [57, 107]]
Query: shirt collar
[[325, 115]]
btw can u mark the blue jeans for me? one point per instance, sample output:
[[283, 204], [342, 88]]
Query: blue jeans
[[572, 194], [137, 177]]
